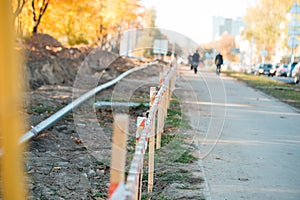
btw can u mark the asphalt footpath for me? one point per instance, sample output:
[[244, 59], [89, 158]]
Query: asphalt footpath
[[249, 142]]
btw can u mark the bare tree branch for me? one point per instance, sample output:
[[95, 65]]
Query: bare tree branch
[[19, 8], [42, 10]]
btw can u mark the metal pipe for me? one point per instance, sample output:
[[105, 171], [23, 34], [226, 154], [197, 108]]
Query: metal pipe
[[47, 123]]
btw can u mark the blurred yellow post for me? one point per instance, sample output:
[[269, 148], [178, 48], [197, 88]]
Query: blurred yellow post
[[11, 121], [118, 152]]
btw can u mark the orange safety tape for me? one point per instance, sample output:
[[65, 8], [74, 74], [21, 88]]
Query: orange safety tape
[[143, 122], [137, 139], [112, 188], [152, 98], [161, 81]]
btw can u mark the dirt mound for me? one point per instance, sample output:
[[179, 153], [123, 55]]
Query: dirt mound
[[42, 41], [48, 62]]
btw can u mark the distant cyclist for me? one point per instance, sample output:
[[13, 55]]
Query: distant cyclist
[[218, 62]]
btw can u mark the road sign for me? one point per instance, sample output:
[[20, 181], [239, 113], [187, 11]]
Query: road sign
[[292, 42], [294, 32], [160, 46], [294, 23], [295, 9]]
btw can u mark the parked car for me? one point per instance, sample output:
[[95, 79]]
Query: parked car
[[296, 73], [291, 66], [263, 69], [273, 69], [282, 70]]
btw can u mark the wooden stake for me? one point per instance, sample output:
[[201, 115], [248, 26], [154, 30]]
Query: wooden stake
[[118, 158], [160, 126], [151, 144], [165, 97], [140, 126], [168, 96], [151, 158], [164, 104], [173, 82], [139, 196], [160, 117]]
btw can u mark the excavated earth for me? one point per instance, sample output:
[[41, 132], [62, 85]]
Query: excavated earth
[[70, 160]]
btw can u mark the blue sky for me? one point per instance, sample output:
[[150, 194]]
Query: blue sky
[[193, 18]]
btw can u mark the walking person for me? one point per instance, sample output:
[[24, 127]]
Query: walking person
[[195, 61], [190, 59], [218, 62]]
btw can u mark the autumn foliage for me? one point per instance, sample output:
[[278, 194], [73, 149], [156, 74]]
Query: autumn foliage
[[79, 21]]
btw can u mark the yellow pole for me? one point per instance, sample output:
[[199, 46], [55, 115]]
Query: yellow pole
[[11, 121]]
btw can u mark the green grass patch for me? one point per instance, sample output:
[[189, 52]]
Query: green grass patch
[[159, 197], [100, 195], [175, 117], [186, 157], [142, 106], [177, 176], [174, 102], [188, 187], [166, 139], [40, 108], [174, 150], [287, 93]]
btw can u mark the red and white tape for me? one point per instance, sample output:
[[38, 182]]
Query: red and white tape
[[117, 191], [138, 159], [140, 123]]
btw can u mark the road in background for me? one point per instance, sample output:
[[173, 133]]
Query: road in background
[[249, 142]]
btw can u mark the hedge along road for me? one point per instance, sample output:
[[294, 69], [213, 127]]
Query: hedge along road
[[249, 143]]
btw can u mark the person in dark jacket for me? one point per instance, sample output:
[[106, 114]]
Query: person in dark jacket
[[218, 62], [195, 61]]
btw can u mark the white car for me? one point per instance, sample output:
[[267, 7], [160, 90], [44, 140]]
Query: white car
[[296, 73], [291, 67]]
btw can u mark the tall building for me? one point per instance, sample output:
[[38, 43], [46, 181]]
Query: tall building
[[231, 26]]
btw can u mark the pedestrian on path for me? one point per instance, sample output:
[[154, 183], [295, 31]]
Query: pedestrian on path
[[218, 62], [195, 61]]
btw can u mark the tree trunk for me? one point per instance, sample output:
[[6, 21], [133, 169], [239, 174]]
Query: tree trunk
[[35, 28]]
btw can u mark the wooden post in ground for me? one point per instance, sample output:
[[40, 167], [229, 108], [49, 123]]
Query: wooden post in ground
[[160, 126], [11, 120], [163, 100], [160, 116], [118, 154], [167, 96], [167, 93], [170, 89], [151, 144], [140, 123], [172, 80]]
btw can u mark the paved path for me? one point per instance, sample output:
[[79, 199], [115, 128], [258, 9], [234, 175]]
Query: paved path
[[249, 142]]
